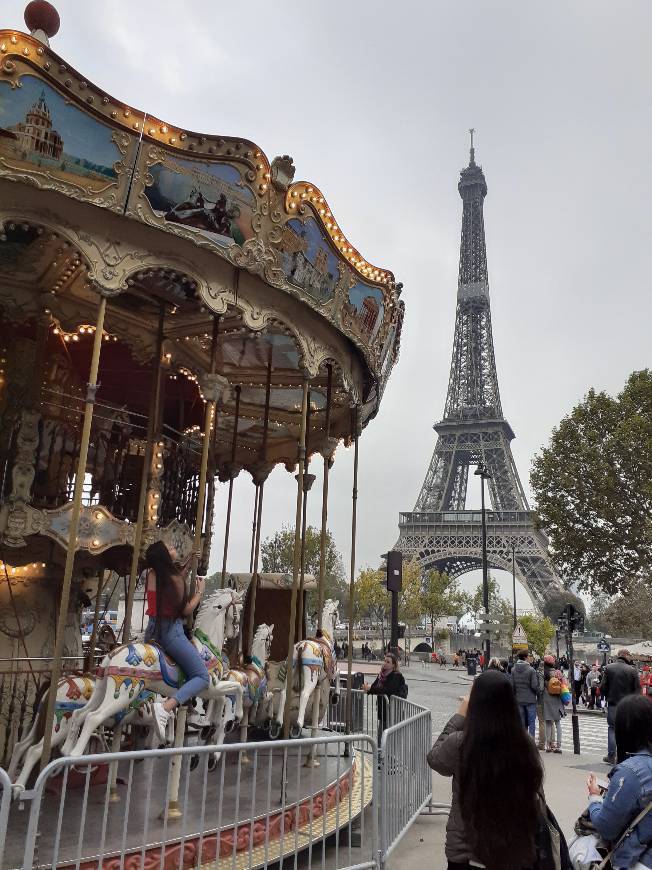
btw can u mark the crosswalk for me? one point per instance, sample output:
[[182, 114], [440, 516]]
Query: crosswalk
[[593, 732]]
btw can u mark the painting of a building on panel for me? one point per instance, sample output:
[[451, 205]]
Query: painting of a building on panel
[[209, 197], [39, 129], [308, 260], [365, 308]]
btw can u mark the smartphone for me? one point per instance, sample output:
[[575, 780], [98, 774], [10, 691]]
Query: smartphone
[[602, 784]]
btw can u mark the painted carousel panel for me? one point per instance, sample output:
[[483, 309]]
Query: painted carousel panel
[[209, 198], [308, 260], [364, 310], [55, 144]]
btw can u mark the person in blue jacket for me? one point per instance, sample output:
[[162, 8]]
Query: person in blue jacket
[[630, 787]]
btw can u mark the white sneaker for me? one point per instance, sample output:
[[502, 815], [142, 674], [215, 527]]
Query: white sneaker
[[161, 719]]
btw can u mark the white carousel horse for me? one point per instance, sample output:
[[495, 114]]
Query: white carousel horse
[[132, 667], [73, 692], [314, 670], [253, 678]]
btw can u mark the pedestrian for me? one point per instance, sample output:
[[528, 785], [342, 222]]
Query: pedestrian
[[553, 707], [538, 666], [630, 788], [577, 681], [584, 671], [390, 681], [593, 680], [525, 682], [495, 665], [619, 680], [167, 604], [337, 650], [489, 826]]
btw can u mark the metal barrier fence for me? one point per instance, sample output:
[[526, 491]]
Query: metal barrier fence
[[260, 804], [405, 778], [5, 804], [366, 712]]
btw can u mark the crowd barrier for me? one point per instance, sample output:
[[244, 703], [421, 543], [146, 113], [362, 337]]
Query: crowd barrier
[[336, 800]]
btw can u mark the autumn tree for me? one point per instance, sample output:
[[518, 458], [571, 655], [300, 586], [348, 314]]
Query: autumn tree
[[593, 486], [627, 615], [277, 557], [371, 597], [441, 596], [539, 632], [410, 606]]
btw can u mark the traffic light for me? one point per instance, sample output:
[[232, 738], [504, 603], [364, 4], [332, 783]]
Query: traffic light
[[571, 619]]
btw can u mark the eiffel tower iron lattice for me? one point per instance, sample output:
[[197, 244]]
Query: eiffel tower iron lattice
[[439, 532]]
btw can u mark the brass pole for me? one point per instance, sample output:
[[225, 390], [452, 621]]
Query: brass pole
[[234, 445], [297, 555], [100, 588], [253, 531], [304, 516], [324, 500], [152, 425], [73, 528], [259, 518], [354, 512], [174, 810]]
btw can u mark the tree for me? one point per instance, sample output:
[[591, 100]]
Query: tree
[[625, 615], [409, 601], [539, 632], [277, 557], [441, 596], [371, 597], [555, 604], [593, 486]]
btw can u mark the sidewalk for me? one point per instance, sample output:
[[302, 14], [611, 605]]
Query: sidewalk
[[565, 788]]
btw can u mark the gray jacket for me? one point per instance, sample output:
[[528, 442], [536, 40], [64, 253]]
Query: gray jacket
[[444, 758], [526, 683]]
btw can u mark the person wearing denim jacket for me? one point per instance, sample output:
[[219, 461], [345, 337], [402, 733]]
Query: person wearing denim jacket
[[630, 787]]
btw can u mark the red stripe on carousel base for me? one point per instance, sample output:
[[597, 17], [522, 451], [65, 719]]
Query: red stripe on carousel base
[[186, 855]]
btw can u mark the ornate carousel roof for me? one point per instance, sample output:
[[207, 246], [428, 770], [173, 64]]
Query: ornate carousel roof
[[95, 193]]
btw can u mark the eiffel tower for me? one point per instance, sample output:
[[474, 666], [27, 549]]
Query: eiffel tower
[[439, 532]]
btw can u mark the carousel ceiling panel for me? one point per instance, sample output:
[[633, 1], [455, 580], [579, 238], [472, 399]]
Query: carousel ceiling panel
[[59, 131]]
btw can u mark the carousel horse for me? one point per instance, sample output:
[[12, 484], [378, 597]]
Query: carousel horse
[[314, 670], [73, 693], [132, 667], [253, 679]]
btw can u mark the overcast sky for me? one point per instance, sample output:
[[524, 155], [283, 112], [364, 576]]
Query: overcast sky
[[373, 100]]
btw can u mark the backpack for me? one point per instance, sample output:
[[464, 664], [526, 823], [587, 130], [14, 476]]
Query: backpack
[[554, 686]]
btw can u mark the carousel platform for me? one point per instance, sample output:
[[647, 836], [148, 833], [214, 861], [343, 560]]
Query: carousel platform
[[235, 811]]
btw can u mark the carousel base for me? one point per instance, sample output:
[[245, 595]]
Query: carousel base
[[248, 827]]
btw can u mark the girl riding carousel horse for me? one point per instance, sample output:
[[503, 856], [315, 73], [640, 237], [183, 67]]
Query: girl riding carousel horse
[[167, 604]]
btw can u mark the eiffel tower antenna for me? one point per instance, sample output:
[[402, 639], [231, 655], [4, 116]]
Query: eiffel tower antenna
[[440, 533]]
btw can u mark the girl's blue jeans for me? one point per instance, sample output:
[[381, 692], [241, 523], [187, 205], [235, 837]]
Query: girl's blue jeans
[[172, 638]]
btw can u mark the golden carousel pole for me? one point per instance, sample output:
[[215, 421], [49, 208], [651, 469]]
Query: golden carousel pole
[[253, 530], [211, 386], [327, 452], [328, 461], [74, 525], [354, 517], [261, 477], [90, 660], [234, 445], [152, 425], [297, 559], [308, 480]]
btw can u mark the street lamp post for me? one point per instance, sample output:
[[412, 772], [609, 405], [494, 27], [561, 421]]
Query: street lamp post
[[483, 473], [514, 579]]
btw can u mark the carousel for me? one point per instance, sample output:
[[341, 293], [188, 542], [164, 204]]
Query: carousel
[[175, 310]]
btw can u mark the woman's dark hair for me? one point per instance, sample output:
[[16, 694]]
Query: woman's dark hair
[[633, 726], [496, 748], [159, 560]]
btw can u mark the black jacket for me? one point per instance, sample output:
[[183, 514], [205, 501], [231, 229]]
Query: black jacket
[[619, 680], [394, 685]]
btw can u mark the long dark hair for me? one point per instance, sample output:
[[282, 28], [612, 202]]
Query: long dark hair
[[500, 777], [633, 726], [159, 560]]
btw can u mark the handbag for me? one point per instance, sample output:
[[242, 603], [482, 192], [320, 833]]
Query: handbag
[[605, 863]]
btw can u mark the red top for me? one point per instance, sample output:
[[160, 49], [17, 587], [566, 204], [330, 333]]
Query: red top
[[167, 611]]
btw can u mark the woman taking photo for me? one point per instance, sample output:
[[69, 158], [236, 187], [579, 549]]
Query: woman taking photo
[[167, 604], [497, 805], [630, 788]]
